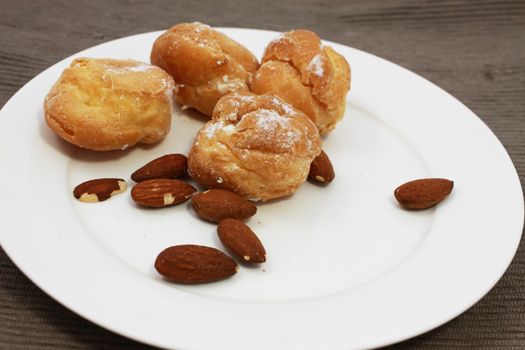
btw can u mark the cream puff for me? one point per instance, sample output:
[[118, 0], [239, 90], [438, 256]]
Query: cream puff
[[205, 64], [255, 145], [311, 76], [107, 104]]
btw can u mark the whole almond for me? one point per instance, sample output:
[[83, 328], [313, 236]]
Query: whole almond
[[218, 204], [170, 166], [423, 193], [191, 264], [241, 241], [161, 192], [99, 190], [321, 169]]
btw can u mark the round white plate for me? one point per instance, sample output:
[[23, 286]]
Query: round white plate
[[347, 267]]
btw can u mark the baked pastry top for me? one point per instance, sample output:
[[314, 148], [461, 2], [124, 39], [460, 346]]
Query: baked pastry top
[[107, 104], [255, 145], [306, 74], [204, 63]]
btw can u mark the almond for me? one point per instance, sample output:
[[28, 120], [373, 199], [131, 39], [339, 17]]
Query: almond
[[161, 192], [321, 169], [99, 190], [241, 241], [190, 264], [218, 204], [170, 166], [423, 193]]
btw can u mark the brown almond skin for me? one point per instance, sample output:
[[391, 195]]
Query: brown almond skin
[[191, 264], [241, 241], [217, 204], [321, 169], [169, 166], [158, 193], [99, 189], [423, 193]]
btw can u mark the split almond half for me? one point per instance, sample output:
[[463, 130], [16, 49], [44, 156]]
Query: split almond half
[[99, 190]]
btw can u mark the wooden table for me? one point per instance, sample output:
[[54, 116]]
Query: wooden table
[[473, 49]]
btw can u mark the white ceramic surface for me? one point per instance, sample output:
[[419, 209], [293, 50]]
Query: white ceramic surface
[[347, 267]]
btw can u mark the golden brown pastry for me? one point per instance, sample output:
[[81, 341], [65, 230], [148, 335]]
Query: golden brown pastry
[[257, 146], [205, 64], [308, 75], [106, 104]]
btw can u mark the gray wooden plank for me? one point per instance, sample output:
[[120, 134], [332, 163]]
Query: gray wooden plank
[[473, 49]]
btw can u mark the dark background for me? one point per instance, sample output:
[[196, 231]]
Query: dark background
[[473, 49]]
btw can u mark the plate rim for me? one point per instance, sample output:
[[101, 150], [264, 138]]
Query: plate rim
[[72, 307]]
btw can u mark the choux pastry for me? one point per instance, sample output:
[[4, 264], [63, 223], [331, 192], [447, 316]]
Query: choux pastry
[[257, 146], [205, 64], [107, 104]]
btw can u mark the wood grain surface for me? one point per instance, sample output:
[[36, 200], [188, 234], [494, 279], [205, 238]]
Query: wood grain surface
[[473, 49]]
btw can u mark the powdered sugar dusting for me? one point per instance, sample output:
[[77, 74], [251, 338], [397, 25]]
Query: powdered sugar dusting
[[315, 66], [274, 124], [270, 120], [199, 27], [139, 68], [309, 144], [243, 98], [212, 128], [228, 128], [279, 38], [236, 99], [292, 135], [285, 106], [226, 85], [199, 39], [235, 103], [231, 117], [126, 69], [168, 88], [288, 109]]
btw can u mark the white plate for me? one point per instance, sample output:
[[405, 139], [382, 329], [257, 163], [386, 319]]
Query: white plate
[[347, 268]]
